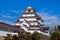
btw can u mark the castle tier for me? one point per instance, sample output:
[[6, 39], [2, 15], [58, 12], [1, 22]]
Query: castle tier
[[30, 21]]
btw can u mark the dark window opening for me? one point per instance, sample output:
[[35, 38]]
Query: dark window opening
[[28, 10]]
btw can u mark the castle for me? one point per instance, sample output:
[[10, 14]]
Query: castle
[[30, 21]]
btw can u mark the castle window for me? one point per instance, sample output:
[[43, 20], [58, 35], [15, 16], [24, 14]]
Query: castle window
[[29, 10]]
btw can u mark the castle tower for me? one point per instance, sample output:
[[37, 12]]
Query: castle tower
[[30, 21]]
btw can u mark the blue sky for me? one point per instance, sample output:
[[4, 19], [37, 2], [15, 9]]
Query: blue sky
[[49, 10]]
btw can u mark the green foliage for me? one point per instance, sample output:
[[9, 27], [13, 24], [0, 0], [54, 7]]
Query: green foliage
[[35, 36], [28, 36], [59, 27], [8, 37], [20, 35], [55, 36], [15, 37]]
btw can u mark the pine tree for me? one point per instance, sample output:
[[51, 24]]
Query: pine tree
[[8, 37], [15, 37], [35, 36], [55, 36], [28, 36], [20, 36]]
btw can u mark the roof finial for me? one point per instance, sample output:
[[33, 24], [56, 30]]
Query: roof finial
[[29, 6]]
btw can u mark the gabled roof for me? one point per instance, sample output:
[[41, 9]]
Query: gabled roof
[[29, 8], [44, 29]]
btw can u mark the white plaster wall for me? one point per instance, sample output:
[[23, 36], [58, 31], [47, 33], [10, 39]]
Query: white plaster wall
[[17, 24], [25, 28], [26, 15], [31, 31], [34, 23], [28, 19], [4, 33], [25, 23], [41, 22]]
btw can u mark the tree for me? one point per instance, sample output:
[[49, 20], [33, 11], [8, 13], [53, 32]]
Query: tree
[[15, 37], [20, 36], [35, 36], [8, 37], [55, 36], [59, 27], [28, 36]]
